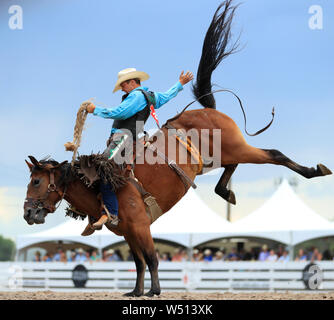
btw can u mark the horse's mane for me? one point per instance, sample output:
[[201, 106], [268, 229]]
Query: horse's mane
[[88, 168]]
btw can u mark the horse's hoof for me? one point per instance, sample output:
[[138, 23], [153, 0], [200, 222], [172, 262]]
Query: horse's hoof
[[323, 170], [151, 293], [226, 194], [133, 294], [231, 197]]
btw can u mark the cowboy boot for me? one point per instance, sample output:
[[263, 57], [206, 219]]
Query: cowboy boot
[[89, 229], [103, 219], [107, 217]]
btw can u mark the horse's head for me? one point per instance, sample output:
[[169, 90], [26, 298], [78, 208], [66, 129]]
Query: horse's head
[[45, 189]]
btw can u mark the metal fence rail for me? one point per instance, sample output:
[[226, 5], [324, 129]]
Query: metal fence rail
[[180, 276]]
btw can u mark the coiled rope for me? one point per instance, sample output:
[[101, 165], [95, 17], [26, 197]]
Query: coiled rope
[[78, 128]]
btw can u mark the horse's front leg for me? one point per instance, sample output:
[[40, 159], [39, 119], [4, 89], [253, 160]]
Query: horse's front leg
[[221, 187]]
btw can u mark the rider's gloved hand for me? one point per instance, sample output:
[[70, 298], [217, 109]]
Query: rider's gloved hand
[[90, 108]]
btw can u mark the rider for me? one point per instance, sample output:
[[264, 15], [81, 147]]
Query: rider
[[134, 107]]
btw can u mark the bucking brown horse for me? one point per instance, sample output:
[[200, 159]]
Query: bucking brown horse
[[52, 181]]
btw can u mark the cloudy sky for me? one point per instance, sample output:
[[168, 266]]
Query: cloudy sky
[[70, 51]]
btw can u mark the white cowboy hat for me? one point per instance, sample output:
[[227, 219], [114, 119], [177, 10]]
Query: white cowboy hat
[[127, 74]]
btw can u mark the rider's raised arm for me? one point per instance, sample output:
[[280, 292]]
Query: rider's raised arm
[[130, 106], [164, 97]]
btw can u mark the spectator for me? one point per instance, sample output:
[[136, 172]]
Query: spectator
[[57, 256], [280, 251], [81, 256], [207, 255], [301, 256], [87, 254], [284, 257], [272, 256], [233, 255], [241, 254], [47, 257], [196, 255], [200, 256], [316, 255], [72, 256], [177, 257], [249, 255], [63, 257], [37, 257], [309, 253], [184, 255], [112, 256], [264, 253], [95, 256], [219, 256], [165, 257], [119, 255]]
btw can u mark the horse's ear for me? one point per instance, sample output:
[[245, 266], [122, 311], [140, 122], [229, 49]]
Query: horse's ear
[[34, 161], [30, 165]]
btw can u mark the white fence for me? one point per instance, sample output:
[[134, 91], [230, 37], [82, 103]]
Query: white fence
[[180, 276]]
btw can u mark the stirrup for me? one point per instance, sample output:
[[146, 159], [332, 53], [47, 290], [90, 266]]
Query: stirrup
[[103, 220], [115, 220], [112, 218]]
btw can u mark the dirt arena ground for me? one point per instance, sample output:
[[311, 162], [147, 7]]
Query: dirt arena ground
[[50, 295]]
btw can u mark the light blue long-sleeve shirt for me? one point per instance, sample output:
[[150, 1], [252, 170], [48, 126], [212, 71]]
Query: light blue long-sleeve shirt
[[136, 102]]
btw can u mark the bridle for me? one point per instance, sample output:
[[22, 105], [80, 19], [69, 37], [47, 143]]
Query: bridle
[[41, 203]]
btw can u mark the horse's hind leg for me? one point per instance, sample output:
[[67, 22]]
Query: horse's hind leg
[[250, 154], [280, 159], [143, 241], [151, 259], [140, 268], [221, 187]]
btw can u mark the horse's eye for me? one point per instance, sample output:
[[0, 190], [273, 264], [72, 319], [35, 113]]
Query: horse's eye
[[35, 182]]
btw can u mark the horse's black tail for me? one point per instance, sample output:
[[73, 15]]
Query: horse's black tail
[[215, 49]]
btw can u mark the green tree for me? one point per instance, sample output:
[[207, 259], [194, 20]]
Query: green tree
[[7, 249]]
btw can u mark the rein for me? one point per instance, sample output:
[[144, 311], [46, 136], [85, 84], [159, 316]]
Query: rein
[[241, 106]]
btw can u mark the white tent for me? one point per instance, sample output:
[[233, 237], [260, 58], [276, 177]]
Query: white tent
[[189, 223], [285, 218]]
